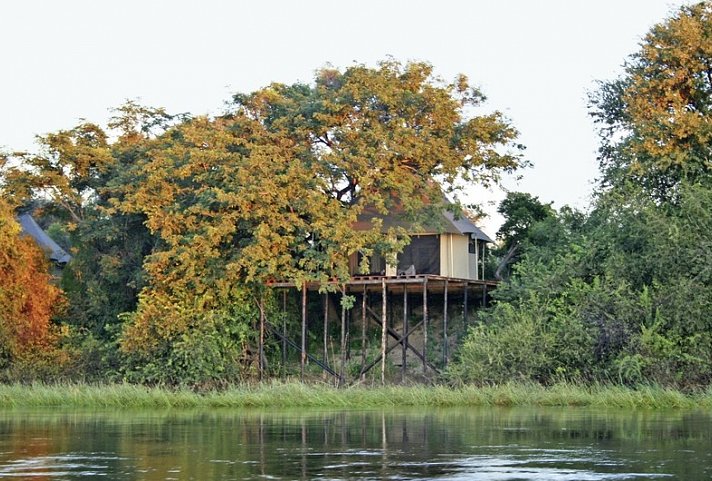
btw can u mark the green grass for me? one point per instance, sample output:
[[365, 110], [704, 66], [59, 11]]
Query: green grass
[[294, 394]]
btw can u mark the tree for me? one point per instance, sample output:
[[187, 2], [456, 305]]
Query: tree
[[656, 120], [386, 135], [78, 175], [27, 297], [622, 294], [272, 189], [520, 211], [68, 169]]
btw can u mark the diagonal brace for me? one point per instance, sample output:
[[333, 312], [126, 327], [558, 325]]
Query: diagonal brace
[[401, 339], [316, 361]]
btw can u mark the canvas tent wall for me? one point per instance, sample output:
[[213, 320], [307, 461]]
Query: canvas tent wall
[[449, 245]]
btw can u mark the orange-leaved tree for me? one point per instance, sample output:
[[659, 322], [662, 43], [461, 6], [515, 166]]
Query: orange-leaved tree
[[27, 297]]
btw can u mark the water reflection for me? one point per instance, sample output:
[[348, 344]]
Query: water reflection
[[454, 444]]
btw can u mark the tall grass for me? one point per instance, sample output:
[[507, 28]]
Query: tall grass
[[294, 394]]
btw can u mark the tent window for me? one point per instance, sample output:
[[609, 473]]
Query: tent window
[[423, 253]]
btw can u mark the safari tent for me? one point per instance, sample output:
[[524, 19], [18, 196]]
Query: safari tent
[[449, 246]]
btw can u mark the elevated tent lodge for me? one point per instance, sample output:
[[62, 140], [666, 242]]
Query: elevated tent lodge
[[444, 261], [449, 247]]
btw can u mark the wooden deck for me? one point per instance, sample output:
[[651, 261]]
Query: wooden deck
[[435, 283]]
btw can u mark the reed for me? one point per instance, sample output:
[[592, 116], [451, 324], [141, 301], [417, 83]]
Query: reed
[[295, 394]]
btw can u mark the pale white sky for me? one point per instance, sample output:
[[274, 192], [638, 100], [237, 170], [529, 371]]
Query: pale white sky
[[535, 60]]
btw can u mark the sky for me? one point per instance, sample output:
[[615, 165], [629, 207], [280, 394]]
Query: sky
[[536, 61]]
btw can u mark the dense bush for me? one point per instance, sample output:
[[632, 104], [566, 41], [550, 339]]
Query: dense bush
[[629, 300]]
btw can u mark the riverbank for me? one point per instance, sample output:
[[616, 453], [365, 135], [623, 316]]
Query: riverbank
[[294, 394]]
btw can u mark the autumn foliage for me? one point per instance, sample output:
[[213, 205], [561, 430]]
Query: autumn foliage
[[27, 297]]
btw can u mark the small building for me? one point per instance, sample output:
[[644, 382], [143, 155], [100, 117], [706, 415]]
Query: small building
[[450, 246], [52, 250]]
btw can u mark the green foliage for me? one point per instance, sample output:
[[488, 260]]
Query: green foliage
[[626, 287], [300, 395], [521, 211], [625, 297], [198, 345], [655, 120], [106, 274]]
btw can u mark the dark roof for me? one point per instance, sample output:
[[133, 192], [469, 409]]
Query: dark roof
[[447, 223], [463, 225], [49, 246]]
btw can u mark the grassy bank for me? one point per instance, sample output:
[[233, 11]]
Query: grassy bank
[[294, 394]]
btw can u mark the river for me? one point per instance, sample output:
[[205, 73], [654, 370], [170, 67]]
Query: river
[[398, 444]]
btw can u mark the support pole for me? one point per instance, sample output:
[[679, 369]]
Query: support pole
[[326, 327], [284, 331], [445, 339], [384, 331], [349, 323], [405, 332], [464, 305], [261, 349], [363, 330], [303, 358], [425, 324], [343, 335]]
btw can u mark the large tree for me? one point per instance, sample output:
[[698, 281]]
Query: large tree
[[272, 189], [656, 119]]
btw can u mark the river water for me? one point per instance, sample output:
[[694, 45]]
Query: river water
[[452, 444]]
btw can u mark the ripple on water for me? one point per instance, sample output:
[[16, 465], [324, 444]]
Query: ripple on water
[[542, 464], [523, 464], [58, 465]]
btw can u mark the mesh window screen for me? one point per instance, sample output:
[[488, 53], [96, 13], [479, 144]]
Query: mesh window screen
[[423, 253]]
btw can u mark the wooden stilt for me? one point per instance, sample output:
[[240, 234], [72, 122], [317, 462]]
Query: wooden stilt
[[326, 327], [363, 329], [303, 358], [465, 307], [284, 331], [425, 324], [343, 336], [445, 339], [349, 322], [261, 349], [384, 331], [405, 332]]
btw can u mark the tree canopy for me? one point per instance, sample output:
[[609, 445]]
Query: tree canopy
[[620, 293], [655, 122], [177, 222]]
